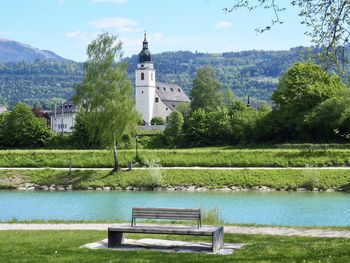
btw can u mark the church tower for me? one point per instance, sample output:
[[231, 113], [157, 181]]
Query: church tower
[[145, 84]]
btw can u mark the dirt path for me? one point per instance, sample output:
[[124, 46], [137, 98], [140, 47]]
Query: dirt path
[[276, 231]]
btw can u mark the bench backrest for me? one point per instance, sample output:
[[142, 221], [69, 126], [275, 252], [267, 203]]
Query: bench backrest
[[166, 213]]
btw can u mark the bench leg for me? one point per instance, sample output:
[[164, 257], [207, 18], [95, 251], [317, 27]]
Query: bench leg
[[115, 238], [218, 239]]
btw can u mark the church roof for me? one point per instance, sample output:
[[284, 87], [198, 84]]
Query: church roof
[[171, 94]]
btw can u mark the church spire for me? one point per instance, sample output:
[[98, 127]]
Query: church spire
[[145, 55], [145, 42]]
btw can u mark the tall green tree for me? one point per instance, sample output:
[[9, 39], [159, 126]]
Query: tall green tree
[[23, 130], [301, 88], [305, 85], [206, 90], [105, 95]]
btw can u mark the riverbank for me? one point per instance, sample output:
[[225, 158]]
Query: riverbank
[[158, 179], [205, 157]]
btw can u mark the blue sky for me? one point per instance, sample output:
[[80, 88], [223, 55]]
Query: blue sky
[[67, 26]]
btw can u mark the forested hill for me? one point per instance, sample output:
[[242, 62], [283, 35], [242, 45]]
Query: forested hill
[[44, 81], [253, 73]]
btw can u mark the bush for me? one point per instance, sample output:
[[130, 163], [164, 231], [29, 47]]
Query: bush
[[157, 121]]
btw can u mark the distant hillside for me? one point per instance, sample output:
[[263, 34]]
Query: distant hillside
[[44, 81], [13, 51], [253, 73]]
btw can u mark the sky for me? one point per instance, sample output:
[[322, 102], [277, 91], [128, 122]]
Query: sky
[[67, 26]]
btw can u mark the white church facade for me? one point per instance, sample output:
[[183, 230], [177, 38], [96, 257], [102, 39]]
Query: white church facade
[[154, 99]]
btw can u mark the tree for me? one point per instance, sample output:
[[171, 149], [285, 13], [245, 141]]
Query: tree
[[301, 88], [206, 90], [244, 123], [328, 21], [174, 128], [305, 85], [22, 129], [105, 95], [331, 117], [157, 121]]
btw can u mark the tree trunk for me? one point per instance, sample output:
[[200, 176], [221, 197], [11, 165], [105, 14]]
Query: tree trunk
[[116, 162]]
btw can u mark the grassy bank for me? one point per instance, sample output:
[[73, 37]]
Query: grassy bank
[[208, 157], [289, 179], [63, 246]]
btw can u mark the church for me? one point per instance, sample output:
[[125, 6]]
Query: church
[[154, 99]]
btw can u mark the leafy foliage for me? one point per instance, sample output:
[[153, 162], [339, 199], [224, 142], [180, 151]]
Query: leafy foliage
[[328, 21], [206, 90], [174, 128], [157, 121], [105, 95], [21, 128]]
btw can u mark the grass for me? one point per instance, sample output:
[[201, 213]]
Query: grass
[[63, 246], [207, 157], [289, 179]]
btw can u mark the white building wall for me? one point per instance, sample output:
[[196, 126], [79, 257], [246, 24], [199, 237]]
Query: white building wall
[[67, 122], [145, 90], [160, 109]]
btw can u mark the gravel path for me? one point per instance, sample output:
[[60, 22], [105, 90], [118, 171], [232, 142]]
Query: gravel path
[[276, 231]]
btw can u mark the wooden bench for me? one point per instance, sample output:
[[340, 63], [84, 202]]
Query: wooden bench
[[115, 233]]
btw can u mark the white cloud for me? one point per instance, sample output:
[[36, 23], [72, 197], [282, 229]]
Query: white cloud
[[73, 34], [223, 24], [110, 1], [119, 23], [81, 39], [158, 36]]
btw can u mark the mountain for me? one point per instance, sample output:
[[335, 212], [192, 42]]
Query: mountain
[[49, 78], [13, 51]]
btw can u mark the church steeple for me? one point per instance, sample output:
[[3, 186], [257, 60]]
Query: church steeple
[[145, 55], [145, 43]]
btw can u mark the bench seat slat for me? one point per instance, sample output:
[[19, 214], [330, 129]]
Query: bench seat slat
[[164, 214], [165, 209], [167, 217]]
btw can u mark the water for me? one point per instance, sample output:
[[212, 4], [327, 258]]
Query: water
[[276, 208]]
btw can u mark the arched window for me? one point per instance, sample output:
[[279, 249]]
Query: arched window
[[151, 76], [142, 76]]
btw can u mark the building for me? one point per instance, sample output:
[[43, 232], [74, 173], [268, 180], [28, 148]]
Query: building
[[62, 118], [45, 116], [154, 99]]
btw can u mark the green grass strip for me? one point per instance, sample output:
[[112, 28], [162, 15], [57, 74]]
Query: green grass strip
[[63, 246], [289, 179]]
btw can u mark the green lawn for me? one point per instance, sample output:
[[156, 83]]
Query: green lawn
[[63, 246], [248, 178], [209, 157]]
